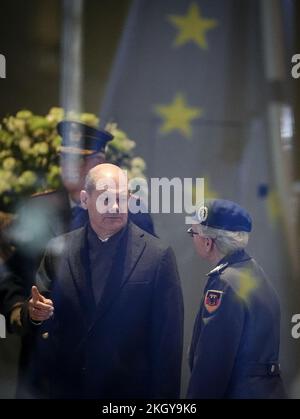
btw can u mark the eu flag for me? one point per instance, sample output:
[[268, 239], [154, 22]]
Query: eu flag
[[188, 86]]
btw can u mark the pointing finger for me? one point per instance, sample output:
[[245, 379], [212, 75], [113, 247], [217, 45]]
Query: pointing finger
[[36, 296]]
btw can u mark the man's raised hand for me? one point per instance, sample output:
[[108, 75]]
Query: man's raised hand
[[40, 308]]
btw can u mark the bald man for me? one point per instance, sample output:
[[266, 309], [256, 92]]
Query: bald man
[[107, 309], [49, 214]]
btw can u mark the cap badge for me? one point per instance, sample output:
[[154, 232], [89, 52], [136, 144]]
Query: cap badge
[[202, 214], [75, 137]]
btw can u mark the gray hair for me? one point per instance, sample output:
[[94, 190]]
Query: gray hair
[[226, 241]]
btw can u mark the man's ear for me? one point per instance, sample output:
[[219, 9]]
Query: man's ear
[[83, 199], [209, 244]]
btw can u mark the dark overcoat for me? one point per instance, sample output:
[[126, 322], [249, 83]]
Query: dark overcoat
[[127, 346], [44, 216]]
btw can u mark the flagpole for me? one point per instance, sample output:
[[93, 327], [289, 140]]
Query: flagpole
[[71, 56], [275, 73]]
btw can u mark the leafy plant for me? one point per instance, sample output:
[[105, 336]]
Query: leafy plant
[[29, 153]]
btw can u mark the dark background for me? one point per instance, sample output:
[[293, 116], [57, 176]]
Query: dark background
[[30, 39], [30, 33]]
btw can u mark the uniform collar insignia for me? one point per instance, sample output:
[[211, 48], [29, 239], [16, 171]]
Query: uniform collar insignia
[[217, 270], [236, 257]]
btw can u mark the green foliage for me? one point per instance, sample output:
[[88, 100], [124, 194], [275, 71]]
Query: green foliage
[[29, 153]]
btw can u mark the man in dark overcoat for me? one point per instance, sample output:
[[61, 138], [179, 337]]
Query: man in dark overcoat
[[48, 214], [107, 313]]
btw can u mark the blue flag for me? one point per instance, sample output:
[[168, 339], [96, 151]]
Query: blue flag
[[188, 86]]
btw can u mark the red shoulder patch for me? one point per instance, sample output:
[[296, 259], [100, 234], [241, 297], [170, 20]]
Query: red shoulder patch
[[212, 300]]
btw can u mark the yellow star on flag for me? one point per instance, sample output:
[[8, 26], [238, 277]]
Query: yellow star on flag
[[247, 283], [177, 116], [274, 207], [192, 27]]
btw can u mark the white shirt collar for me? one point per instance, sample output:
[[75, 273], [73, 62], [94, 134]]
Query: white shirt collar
[[103, 240]]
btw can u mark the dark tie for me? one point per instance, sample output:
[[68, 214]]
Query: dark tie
[[79, 217]]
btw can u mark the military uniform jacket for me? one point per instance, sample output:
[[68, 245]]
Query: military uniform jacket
[[235, 343], [127, 346]]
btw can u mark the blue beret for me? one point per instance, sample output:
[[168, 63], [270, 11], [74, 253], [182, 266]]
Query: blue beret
[[224, 215], [82, 139]]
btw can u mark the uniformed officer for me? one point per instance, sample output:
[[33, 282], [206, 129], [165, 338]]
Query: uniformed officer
[[235, 344]]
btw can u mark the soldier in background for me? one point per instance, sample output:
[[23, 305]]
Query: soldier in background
[[6, 253]]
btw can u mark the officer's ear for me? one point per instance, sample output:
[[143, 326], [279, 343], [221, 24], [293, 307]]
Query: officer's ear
[[83, 199], [208, 243]]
